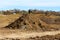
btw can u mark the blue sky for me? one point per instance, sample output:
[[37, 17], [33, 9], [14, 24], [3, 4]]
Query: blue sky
[[53, 5]]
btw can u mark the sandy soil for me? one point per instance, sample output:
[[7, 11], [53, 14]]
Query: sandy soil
[[27, 34]]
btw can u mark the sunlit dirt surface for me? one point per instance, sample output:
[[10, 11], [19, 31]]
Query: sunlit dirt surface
[[29, 27]]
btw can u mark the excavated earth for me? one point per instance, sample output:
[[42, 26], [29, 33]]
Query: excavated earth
[[37, 22], [31, 27]]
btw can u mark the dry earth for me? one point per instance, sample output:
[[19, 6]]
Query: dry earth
[[25, 26]]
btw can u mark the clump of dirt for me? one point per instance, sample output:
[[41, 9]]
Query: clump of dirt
[[35, 22]]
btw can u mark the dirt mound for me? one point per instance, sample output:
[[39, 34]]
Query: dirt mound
[[35, 22]]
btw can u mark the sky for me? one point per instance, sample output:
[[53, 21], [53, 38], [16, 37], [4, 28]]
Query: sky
[[53, 5]]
